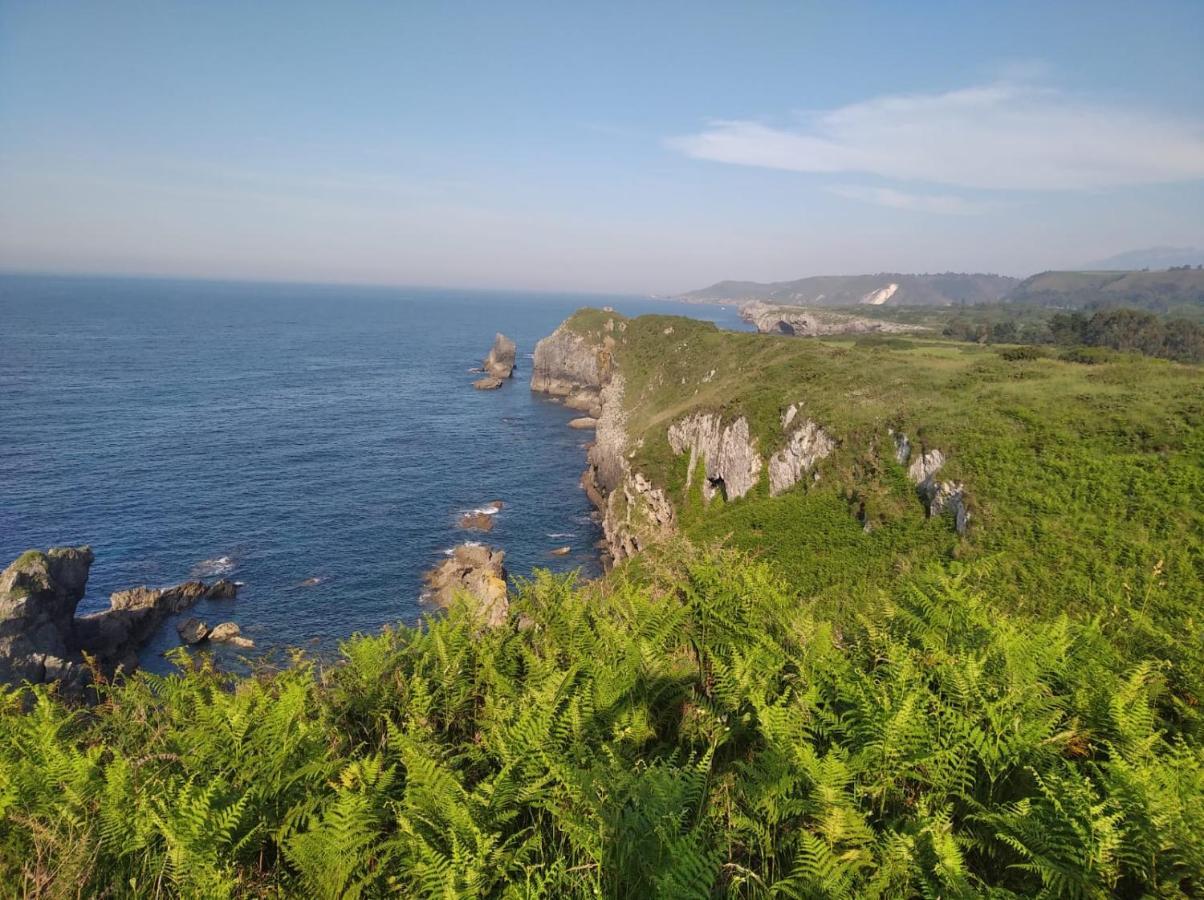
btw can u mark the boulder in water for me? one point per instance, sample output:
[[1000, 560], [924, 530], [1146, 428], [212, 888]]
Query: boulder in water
[[192, 631], [478, 572]]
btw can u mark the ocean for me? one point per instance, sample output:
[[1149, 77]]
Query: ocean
[[315, 443]]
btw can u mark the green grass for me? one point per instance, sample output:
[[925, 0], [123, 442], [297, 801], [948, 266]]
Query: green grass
[[1085, 482]]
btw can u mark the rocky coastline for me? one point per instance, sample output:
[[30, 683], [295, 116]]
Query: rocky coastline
[[580, 370], [42, 640]]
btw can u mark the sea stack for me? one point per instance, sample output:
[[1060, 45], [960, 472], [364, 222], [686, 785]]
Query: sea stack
[[500, 361]]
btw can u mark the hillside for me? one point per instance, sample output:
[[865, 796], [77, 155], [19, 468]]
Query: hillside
[[1175, 291], [947, 289], [890, 616], [1167, 291]]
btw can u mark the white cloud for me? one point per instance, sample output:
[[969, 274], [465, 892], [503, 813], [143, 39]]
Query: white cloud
[[946, 204], [1006, 135]]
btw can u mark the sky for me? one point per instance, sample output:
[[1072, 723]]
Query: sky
[[616, 147]]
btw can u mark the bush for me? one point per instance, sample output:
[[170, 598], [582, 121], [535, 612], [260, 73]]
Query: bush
[[1020, 354], [697, 735]]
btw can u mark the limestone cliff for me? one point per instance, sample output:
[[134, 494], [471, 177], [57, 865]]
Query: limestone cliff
[[731, 464], [794, 320], [575, 367], [634, 512], [580, 368]]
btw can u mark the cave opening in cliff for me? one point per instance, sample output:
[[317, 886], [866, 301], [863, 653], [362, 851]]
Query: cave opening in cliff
[[785, 328], [717, 486]]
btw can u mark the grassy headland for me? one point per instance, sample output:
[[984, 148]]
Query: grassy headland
[[814, 710]]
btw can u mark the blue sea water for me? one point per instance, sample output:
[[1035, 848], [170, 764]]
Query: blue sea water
[[279, 434]]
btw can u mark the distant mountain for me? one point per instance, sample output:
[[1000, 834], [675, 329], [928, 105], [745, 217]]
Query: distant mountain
[[1168, 291], [895, 289], [1150, 258]]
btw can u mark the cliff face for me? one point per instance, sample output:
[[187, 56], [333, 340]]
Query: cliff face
[[581, 370], [792, 320], [634, 511], [731, 464], [571, 366]]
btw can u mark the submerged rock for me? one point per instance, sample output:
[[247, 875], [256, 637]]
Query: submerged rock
[[500, 361], [584, 422], [477, 571], [192, 631], [476, 521], [561, 551], [230, 633]]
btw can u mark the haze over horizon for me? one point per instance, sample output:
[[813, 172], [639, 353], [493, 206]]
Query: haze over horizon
[[620, 149]]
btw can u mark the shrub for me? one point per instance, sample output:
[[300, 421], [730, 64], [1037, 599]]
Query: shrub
[[695, 734]]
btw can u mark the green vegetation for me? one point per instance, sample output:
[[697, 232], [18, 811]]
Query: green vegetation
[[779, 703], [699, 733], [1177, 290]]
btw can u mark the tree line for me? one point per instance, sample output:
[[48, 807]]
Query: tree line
[[1126, 330]]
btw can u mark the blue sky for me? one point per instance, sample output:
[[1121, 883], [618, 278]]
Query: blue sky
[[644, 147]]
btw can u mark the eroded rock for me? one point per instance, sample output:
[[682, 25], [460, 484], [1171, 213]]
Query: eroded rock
[[477, 571], [800, 322], [938, 496], [38, 595], [192, 631], [488, 383], [729, 456], [499, 363], [808, 444]]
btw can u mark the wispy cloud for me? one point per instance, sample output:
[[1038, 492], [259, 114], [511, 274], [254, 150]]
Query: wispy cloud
[[1004, 135], [945, 204]]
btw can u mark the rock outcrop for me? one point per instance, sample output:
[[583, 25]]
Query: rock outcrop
[[731, 464], [38, 596], [477, 571], [488, 383], [938, 496], [808, 444], [192, 631], [230, 633], [500, 361], [574, 367], [476, 521], [795, 320], [42, 640]]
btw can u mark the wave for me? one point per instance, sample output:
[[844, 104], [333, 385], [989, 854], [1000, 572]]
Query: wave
[[489, 509], [450, 551], [208, 568], [562, 534]]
